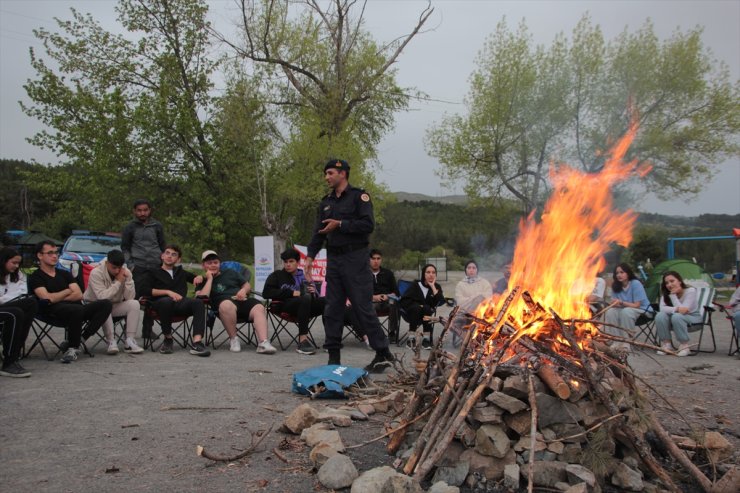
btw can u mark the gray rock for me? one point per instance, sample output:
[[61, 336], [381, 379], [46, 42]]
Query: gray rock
[[578, 488], [487, 414], [442, 487], [627, 478], [492, 440], [553, 410], [571, 453], [337, 472], [507, 402], [519, 422], [516, 386], [452, 455], [511, 477], [301, 418], [485, 466], [579, 474], [372, 481], [547, 473], [400, 483], [335, 417], [316, 434], [452, 475], [321, 453]]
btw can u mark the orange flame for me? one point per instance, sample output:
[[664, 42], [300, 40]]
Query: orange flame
[[558, 259]]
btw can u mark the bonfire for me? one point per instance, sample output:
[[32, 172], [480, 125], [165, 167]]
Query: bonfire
[[539, 339]]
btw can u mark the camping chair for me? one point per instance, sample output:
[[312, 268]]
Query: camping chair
[[404, 285], [42, 327], [182, 328], [283, 321], [705, 299], [645, 325], [734, 349], [244, 328], [81, 271]]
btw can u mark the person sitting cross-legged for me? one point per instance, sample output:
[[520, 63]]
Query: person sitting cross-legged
[[679, 308], [61, 299], [228, 292], [298, 297], [112, 281], [168, 286]]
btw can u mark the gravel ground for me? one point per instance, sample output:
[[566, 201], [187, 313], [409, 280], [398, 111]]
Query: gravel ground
[[132, 423]]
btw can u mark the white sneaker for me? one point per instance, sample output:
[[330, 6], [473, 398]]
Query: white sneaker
[[266, 348], [132, 347], [113, 347], [664, 348], [683, 350], [235, 345]]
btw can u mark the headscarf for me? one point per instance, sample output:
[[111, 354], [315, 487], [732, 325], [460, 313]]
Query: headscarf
[[468, 279]]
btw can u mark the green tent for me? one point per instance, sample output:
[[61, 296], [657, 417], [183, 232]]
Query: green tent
[[690, 272]]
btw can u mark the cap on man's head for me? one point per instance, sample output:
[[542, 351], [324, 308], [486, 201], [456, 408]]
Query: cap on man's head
[[208, 255], [290, 253], [337, 164]]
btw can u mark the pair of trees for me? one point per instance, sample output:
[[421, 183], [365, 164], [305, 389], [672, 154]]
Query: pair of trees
[[531, 105], [140, 115]]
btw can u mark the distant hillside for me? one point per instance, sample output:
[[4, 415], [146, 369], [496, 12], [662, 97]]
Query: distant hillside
[[420, 197]]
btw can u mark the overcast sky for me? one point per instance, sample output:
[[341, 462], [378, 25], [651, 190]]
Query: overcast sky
[[438, 62]]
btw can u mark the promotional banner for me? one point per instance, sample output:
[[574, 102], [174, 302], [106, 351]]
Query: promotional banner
[[264, 261], [318, 271]]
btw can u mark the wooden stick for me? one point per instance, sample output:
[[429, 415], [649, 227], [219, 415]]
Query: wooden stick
[[532, 431], [201, 451], [641, 447]]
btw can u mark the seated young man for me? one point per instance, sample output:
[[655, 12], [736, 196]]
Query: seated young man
[[112, 281], [61, 299], [168, 286], [287, 286], [228, 292]]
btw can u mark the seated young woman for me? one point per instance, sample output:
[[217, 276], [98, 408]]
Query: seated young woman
[[469, 293], [420, 300], [632, 301], [679, 308]]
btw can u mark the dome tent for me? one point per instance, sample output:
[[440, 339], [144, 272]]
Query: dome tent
[[690, 272]]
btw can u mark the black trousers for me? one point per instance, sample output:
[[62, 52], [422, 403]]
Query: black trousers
[[73, 315], [349, 277], [16, 318], [167, 308], [303, 308], [416, 314]]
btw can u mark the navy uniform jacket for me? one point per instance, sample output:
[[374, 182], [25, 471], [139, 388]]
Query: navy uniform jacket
[[355, 210]]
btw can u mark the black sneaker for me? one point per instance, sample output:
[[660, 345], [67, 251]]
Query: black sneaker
[[166, 347], [15, 370], [334, 357], [305, 347], [383, 359], [426, 343], [199, 349]]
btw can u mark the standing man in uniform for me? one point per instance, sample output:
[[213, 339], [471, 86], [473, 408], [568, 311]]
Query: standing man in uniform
[[344, 221], [142, 242]]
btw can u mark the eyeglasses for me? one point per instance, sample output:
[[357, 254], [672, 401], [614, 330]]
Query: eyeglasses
[[52, 252]]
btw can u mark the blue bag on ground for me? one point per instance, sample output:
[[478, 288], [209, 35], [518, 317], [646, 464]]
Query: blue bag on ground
[[326, 382]]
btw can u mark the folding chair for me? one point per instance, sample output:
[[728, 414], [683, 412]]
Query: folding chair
[[734, 349], [705, 300], [404, 285], [42, 327], [645, 324], [283, 321], [244, 328], [182, 328]]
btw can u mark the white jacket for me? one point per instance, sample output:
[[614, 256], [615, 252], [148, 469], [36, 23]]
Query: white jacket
[[11, 290]]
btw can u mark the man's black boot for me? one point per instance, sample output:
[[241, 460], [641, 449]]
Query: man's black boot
[[334, 357], [383, 359]]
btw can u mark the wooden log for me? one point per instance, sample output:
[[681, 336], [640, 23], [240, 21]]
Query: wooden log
[[554, 381], [640, 445]]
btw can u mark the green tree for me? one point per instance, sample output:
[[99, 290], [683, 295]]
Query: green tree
[[133, 117], [530, 105], [336, 91]]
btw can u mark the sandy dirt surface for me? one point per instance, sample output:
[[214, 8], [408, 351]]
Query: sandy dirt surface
[[132, 423]]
